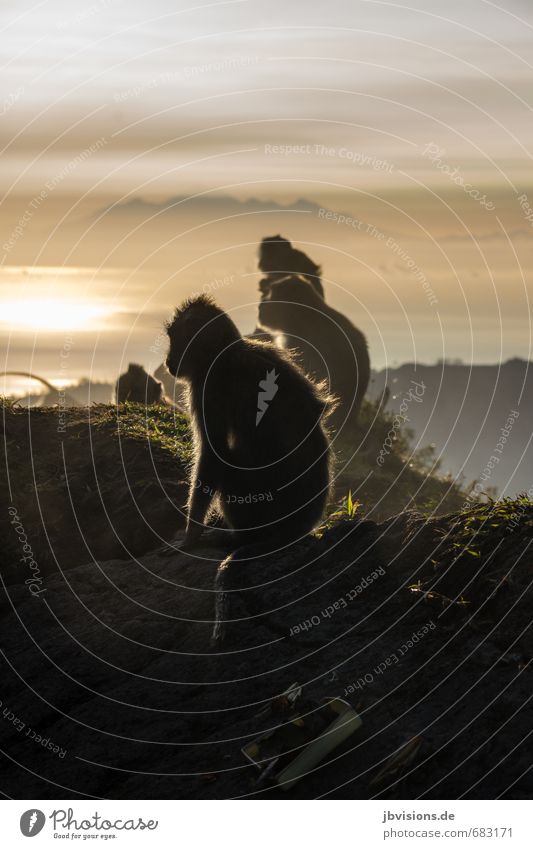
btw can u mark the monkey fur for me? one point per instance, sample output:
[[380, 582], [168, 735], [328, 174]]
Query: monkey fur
[[137, 385], [328, 345], [175, 391], [278, 258], [262, 452]]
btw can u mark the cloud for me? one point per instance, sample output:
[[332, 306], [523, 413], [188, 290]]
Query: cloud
[[487, 237]]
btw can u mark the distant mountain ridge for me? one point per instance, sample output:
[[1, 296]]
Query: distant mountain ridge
[[478, 417], [209, 201]]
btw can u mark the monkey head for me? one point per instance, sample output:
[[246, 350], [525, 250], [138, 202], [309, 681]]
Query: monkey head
[[278, 258], [137, 385], [289, 305], [274, 254], [198, 332]]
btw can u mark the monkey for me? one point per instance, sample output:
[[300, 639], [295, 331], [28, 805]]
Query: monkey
[[261, 445], [278, 258], [328, 345], [174, 390], [169, 384], [261, 334], [137, 385]]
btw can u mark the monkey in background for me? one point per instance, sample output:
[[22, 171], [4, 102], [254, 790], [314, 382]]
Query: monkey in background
[[175, 391], [262, 453], [278, 258], [137, 385], [328, 345], [261, 334]]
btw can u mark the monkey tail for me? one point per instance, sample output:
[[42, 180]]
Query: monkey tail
[[227, 581]]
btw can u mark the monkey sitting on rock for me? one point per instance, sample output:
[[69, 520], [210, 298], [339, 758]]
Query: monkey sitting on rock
[[137, 385], [328, 345], [262, 453], [278, 258]]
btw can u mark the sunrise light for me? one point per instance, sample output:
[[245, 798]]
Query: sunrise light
[[51, 314]]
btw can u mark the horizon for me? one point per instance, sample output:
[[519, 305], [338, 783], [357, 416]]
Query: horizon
[[394, 149]]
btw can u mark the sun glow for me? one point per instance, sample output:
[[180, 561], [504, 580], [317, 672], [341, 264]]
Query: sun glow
[[51, 314]]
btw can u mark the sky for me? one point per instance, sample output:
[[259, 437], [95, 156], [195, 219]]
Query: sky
[[147, 147]]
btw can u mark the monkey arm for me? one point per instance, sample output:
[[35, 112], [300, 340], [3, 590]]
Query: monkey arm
[[202, 491]]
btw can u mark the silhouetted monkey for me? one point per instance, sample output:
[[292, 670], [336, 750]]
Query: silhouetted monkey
[[262, 453], [175, 390], [260, 334], [137, 385], [328, 345], [278, 258]]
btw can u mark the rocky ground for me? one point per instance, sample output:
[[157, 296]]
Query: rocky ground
[[113, 664]]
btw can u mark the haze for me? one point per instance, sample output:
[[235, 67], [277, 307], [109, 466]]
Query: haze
[[147, 147]]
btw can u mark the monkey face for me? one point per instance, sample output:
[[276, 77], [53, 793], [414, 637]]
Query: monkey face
[[267, 259], [174, 361], [184, 333], [179, 340]]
